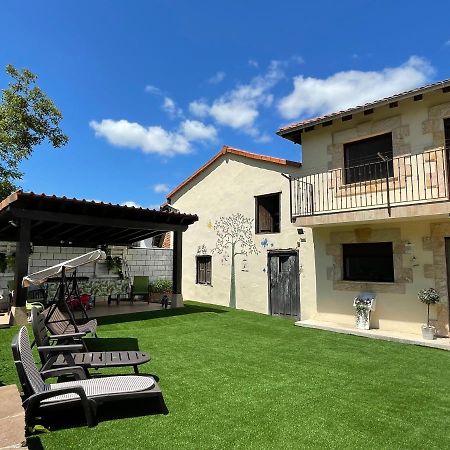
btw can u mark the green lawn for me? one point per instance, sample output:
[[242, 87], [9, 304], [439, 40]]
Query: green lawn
[[234, 379]]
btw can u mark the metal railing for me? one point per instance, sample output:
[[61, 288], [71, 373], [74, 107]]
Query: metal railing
[[408, 179]]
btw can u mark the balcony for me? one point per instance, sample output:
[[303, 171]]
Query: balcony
[[386, 184]]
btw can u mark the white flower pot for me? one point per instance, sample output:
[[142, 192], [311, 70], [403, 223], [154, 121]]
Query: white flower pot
[[428, 332], [363, 318]]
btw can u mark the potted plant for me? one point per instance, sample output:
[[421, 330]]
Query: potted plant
[[11, 261], [429, 297], [364, 304], [114, 265], [158, 288]]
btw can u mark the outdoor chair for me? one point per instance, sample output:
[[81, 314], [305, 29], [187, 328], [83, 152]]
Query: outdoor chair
[[141, 287], [90, 393], [63, 322], [69, 350]]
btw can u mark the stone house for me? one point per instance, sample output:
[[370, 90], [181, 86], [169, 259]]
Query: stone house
[[366, 211]]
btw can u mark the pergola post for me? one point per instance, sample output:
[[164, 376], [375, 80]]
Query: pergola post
[[21, 270], [177, 271]]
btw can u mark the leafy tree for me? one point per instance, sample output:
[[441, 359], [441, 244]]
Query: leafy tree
[[27, 118], [234, 232]]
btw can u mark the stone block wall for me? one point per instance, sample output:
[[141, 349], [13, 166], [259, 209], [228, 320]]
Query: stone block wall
[[156, 263]]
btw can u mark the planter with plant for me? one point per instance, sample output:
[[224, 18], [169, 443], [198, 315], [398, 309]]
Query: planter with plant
[[11, 262], [114, 265], [158, 288], [429, 297], [363, 304]]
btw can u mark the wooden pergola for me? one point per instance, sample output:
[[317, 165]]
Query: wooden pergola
[[26, 217]]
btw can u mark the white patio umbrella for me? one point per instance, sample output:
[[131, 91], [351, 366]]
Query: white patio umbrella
[[37, 278]]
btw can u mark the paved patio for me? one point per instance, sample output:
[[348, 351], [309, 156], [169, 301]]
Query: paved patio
[[12, 418], [404, 338], [124, 307]]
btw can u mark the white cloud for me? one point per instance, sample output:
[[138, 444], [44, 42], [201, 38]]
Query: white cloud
[[234, 112], [447, 43], [153, 139], [315, 96], [170, 107], [131, 204], [263, 138], [297, 59], [199, 108], [217, 78], [194, 130], [161, 188], [239, 108], [253, 63], [152, 90]]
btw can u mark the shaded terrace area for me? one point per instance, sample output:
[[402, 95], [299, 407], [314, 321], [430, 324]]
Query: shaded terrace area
[[28, 218]]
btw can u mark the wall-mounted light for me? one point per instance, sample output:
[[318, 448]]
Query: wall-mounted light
[[13, 223], [300, 231]]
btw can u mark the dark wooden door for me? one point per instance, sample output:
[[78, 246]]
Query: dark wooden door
[[284, 283]]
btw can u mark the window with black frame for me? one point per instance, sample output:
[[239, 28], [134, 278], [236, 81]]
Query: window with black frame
[[204, 269], [363, 162], [368, 262]]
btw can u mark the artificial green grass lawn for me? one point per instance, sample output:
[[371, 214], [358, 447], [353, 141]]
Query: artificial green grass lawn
[[235, 379]]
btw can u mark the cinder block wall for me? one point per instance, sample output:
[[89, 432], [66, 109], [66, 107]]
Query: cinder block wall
[[156, 263]]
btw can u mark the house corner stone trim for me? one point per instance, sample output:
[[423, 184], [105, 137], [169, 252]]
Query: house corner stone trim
[[435, 123]]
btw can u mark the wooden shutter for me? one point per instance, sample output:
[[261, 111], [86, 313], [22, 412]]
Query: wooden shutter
[[265, 219], [201, 270], [208, 270]]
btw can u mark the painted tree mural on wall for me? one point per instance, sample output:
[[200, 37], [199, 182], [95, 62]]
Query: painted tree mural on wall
[[234, 234]]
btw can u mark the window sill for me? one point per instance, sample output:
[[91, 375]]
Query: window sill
[[204, 284], [388, 283], [357, 184], [395, 287]]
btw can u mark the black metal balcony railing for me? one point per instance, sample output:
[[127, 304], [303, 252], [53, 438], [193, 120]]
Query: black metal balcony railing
[[406, 179]]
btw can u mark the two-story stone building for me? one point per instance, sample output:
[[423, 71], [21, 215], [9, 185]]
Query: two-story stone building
[[368, 210]]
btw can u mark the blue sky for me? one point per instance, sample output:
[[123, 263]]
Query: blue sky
[[150, 90]]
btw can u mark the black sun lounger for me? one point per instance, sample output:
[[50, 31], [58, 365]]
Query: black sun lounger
[[69, 350], [90, 393]]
